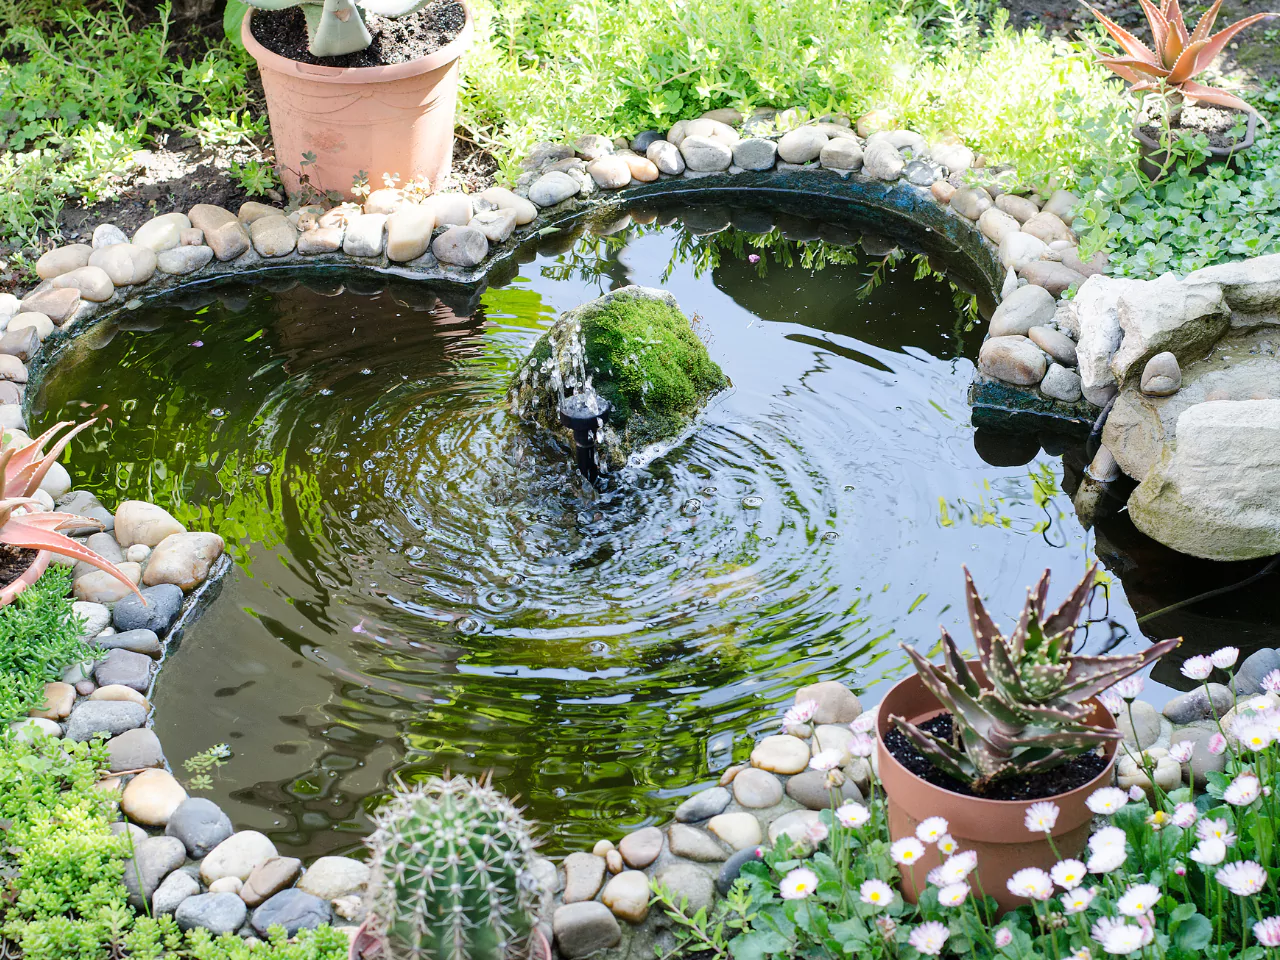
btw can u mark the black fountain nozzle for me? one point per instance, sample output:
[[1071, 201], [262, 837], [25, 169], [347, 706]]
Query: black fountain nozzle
[[583, 413]]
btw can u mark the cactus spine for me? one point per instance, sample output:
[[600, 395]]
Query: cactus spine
[[452, 874]]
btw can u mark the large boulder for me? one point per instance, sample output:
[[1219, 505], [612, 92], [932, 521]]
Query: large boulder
[[1251, 286], [1168, 316], [1097, 311], [639, 352], [1215, 492]]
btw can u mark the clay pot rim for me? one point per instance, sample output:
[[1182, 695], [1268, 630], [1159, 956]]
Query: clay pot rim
[[1240, 146], [997, 808], [28, 576], [319, 73]]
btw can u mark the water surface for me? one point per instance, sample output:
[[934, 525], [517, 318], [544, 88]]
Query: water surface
[[423, 584]]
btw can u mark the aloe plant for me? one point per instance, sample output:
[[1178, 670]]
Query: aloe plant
[[1178, 56], [23, 468], [1030, 715], [335, 27]]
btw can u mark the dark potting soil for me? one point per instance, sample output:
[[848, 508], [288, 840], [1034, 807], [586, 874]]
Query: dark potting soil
[[394, 41], [1074, 773], [1216, 123], [14, 562]]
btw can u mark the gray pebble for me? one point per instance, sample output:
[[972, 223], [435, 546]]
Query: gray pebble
[[216, 912], [107, 717], [200, 824], [292, 909], [163, 604]]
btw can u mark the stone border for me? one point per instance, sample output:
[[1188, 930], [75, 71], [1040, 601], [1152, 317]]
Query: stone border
[[459, 242]]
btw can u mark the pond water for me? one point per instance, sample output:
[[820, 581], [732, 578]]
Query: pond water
[[422, 584]]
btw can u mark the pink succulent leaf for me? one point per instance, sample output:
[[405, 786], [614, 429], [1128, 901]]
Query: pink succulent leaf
[[1131, 45], [1154, 70], [37, 535], [1123, 72], [1156, 21], [940, 753], [33, 473], [1177, 39], [980, 622], [1186, 67], [22, 456], [1089, 676], [1219, 98], [1218, 42], [1205, 24]]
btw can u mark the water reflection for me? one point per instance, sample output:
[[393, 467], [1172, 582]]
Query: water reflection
[[421, 585]]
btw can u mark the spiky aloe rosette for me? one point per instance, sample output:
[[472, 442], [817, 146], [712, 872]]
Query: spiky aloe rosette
[[1031, 715], [452, 874]]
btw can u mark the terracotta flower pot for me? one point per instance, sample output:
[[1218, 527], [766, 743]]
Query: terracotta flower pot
[[29, 576], [396, 119], [1154, 156], [994, 829]]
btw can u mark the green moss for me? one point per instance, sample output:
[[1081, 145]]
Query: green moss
[[642, 355]]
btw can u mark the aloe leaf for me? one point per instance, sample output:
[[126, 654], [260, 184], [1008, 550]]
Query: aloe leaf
[[1065, 618], [33, 473], [967, 712], [940, 753], [1089, 676], [959, 668], [37, 532], [984, 628]]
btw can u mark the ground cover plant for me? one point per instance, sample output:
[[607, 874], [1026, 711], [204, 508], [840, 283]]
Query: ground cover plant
[[1167, 875], [39, 636], [85, 86], [61, 896]]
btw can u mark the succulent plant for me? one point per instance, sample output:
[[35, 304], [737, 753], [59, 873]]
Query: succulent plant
[[452, 874], [335, 27], [23, 468], [1178, 55], [1030, 715]]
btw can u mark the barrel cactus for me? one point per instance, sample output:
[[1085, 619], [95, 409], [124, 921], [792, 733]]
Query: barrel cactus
[[452, 874], [335, 27]]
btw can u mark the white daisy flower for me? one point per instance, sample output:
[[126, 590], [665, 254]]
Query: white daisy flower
[[1243, 878], [1225, 658], [1209, 852], [1130, 688], [1077, 900], [1184, 815], [1197, 668], [1181, 751], [1254, 736], [852, 815], [826, 760], [1123, 939], [953, 894], [947, 844], [1106, 800], [929, 938], [1138, 899], [1042, 816], [1032, 883], [798, 884], [931, 829], [1068, 874], [1243, 790], [1107, 838], [1107, 859], [876, 892], [1218, 829], [907, 851]]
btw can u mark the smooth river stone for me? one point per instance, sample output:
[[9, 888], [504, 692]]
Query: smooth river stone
[[62, 260], [610, 173], [705, 155], [293, 910], [1054, 277], [504, 199], [971, 202], [237, 856], [58, 700], [801, 145], [757, 789], [781, 753], [163, 232], [1055, 343], [1047, 227], [104, 718], [183, 559], [218, 913], [692, 844], [995, 224], [269, 878], [140, 522], [793, 824], [755, 153], [1060, 383], [273, 236], [200, 824], [386, 200], [409, 232], [1013, 360], [151, 797], [366, 235], [738, 830], [1020, 208], [461, 246], [1028, 306], [581, 929], [125, 263], [583, 875], [98, 586], [93, 283], [703, 805], [108, 235], [496, 225], [552, 188], [641, 847], [55, 305], [627, 895], [835, 703], [135, 749], [840, 153], [642, 169], [180, 261], [666, 157], [331, 878]]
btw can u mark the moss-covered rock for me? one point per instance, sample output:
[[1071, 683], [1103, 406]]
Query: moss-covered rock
[[639, 352]]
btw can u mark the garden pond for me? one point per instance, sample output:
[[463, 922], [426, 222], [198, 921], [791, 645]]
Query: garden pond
[[420, 583]]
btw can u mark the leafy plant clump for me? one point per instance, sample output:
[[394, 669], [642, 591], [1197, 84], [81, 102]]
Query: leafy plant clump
[[61, 865], [39, 636], [1030, 715], [638, 351]]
